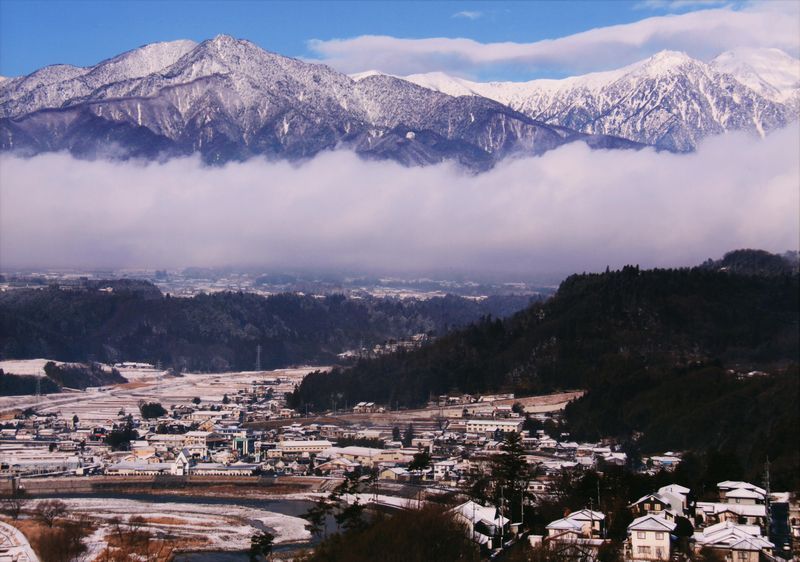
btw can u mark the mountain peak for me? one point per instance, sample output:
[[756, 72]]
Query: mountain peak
[[223, 42], [666, 60], [224, 39], [365, 74], [144, 60], [771, 72]]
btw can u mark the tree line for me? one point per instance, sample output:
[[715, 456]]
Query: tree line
[[219, 331], [691, 357]]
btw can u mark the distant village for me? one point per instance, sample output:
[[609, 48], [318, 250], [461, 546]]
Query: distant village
[[251, 433]]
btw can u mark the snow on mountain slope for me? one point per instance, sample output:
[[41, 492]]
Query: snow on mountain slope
[[56, 85], [229, 99], [140, 62], [669, 100], [366, 74], [771, 72], [441, 82]]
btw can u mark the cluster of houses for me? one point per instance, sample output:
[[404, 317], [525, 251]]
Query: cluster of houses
[[669, 525], [390, 346], [216, 440]]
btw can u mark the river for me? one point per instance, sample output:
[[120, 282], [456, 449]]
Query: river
[[291, 507]]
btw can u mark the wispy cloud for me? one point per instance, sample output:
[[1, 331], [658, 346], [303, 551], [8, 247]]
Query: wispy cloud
[[572, 209], [678, 5], [702, 34], [468, 14]]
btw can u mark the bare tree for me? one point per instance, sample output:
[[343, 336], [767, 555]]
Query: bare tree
[[132, 540], [49, 511], [63, 543], [14, 502]]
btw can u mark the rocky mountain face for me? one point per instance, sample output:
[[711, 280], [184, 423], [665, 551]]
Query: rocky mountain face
[[670, 100], [229, 100]]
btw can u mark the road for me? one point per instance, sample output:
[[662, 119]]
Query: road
[[14, 546]]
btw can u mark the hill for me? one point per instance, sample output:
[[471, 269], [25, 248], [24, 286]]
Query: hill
[[670, 353], [649, 319], [755, 262], [111, 321]]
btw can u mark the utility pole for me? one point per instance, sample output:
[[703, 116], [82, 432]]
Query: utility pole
[[502, 501], [766, 499], [473, 520], [598, 495]]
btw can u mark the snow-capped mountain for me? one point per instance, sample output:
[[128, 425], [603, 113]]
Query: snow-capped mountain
[[229, 99], [772, 73], [668, 100], [61, 84]]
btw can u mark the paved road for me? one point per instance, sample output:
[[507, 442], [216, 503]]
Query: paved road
[[14, 546]]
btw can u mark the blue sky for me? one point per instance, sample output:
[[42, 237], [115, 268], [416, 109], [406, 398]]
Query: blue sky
[[35, 33]]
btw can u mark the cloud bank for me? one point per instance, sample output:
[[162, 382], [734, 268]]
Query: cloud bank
[[702, 34], [572, 209]]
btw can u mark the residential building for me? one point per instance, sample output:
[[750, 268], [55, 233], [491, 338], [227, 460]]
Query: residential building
[[737, 543], [649, 538], [484, 524]]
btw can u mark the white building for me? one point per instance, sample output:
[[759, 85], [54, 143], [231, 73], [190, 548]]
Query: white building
[[484, 524], [735, 542], [728, 486], [298, 447], [711, 513], [584, 523], [672, 501], [490, 425], [649, 538]]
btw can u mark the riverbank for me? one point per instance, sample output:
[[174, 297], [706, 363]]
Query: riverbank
[[190, 523]]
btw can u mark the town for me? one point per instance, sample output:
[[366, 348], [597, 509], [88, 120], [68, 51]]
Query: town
[[179, 445]]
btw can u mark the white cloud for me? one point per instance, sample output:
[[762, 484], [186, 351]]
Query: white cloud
[[572, 209], [703, 34], [468, 14], [676, 5]]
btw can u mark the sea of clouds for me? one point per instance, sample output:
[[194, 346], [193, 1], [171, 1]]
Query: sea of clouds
[[572, 209]]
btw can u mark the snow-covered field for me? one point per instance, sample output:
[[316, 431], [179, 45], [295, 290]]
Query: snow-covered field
[[25, 366], [212, 526], [104, 404]]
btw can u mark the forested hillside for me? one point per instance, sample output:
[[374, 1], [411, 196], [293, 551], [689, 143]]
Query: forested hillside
[[135, 322], [596, 325], [666, 352]]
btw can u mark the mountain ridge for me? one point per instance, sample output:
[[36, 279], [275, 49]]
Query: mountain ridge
[[228, 99], [651, 101]]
